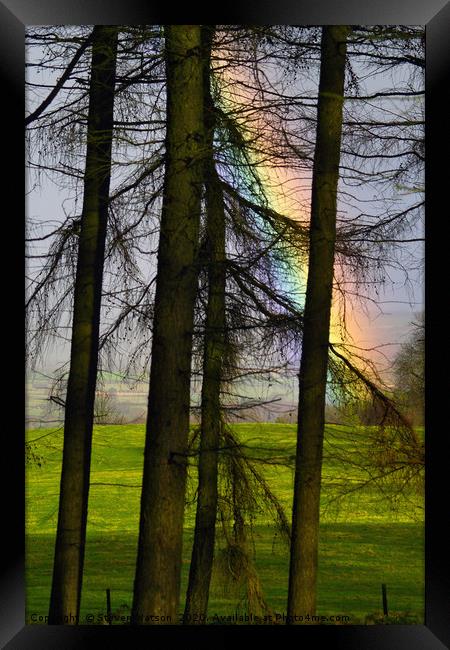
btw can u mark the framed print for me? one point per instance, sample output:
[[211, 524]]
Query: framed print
[[240, 182]]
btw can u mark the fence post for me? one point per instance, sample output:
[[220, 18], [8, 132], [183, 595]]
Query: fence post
[[385, 605], [108, 606]]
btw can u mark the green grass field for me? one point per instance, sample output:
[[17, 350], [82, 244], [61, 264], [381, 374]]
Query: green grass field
[[363, 541]]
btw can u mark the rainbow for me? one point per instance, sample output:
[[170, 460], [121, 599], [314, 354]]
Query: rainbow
[[289, 195]]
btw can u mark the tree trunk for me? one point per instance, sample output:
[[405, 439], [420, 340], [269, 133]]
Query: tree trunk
[[214, 349], [158, 569], [314, 360], [78, 420]]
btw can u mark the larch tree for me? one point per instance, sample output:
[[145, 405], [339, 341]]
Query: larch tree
[[213, 359], [316, 327], [158, 569], [409, 372], [79, 406]]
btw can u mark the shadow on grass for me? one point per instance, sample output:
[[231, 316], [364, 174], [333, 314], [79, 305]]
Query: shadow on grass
[[355, 559]]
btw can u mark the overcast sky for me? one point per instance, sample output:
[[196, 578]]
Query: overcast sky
[[385, 324]]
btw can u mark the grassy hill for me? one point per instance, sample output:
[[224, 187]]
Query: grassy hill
[[363, 540]]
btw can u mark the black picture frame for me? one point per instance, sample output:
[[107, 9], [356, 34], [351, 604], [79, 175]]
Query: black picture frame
[[435, 14]]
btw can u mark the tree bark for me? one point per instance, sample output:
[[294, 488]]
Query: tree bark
[[158, 569], [214, 349], [314, 359], [78, 419]]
